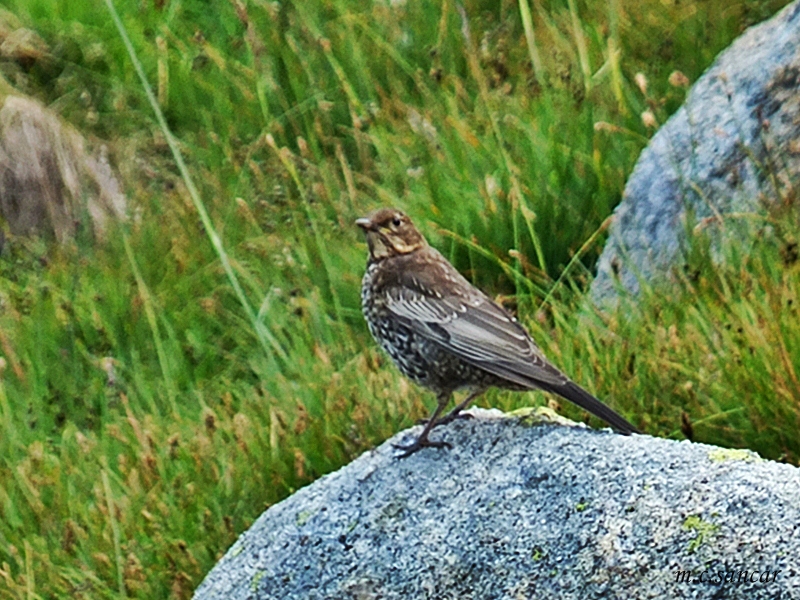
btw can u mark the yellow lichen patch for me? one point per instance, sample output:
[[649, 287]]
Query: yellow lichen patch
[[704, 529], [537, 415], [726, 454]]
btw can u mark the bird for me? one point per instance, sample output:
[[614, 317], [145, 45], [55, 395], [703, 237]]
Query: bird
[[445, 334]]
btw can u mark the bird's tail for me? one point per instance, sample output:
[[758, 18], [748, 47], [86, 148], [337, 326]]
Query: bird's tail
[[576, 394]]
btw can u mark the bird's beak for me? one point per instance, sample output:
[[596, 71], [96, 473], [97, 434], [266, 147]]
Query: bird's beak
[[365, 223]]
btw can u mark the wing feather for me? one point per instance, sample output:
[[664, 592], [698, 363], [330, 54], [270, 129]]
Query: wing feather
[[472, 326]]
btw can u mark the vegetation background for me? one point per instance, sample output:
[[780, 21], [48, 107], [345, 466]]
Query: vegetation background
[[149, 412]]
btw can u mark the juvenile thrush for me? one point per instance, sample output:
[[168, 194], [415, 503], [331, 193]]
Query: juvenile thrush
[[445, 334]]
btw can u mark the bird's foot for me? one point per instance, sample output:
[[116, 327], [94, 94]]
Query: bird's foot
[[419, 444]]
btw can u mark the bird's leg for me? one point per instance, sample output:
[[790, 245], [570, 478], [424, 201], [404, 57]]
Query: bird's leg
[[422, 441], [456, 412]]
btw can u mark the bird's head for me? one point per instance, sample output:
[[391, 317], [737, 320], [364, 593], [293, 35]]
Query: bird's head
[[390, 233]]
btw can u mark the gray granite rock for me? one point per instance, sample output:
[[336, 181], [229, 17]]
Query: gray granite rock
[[731, 148], [524, 509]]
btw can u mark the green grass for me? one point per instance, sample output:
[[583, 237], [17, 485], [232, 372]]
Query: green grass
[[144, 420]]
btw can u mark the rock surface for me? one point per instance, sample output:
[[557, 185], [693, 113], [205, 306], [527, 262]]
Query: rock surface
[[521, 509], [731, 148], [48, 178]]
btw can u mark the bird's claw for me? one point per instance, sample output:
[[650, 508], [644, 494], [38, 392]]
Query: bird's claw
[[419, 444]]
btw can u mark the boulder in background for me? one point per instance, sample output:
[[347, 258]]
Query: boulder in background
[[48, 178], [731, 148]]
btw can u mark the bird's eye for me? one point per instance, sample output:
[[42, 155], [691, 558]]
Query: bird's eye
[[397, 222]]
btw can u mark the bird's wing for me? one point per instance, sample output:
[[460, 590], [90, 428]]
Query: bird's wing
[[435, 301], [439, 304]]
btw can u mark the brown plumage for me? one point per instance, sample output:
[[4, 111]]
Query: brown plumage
[[445, 334]]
